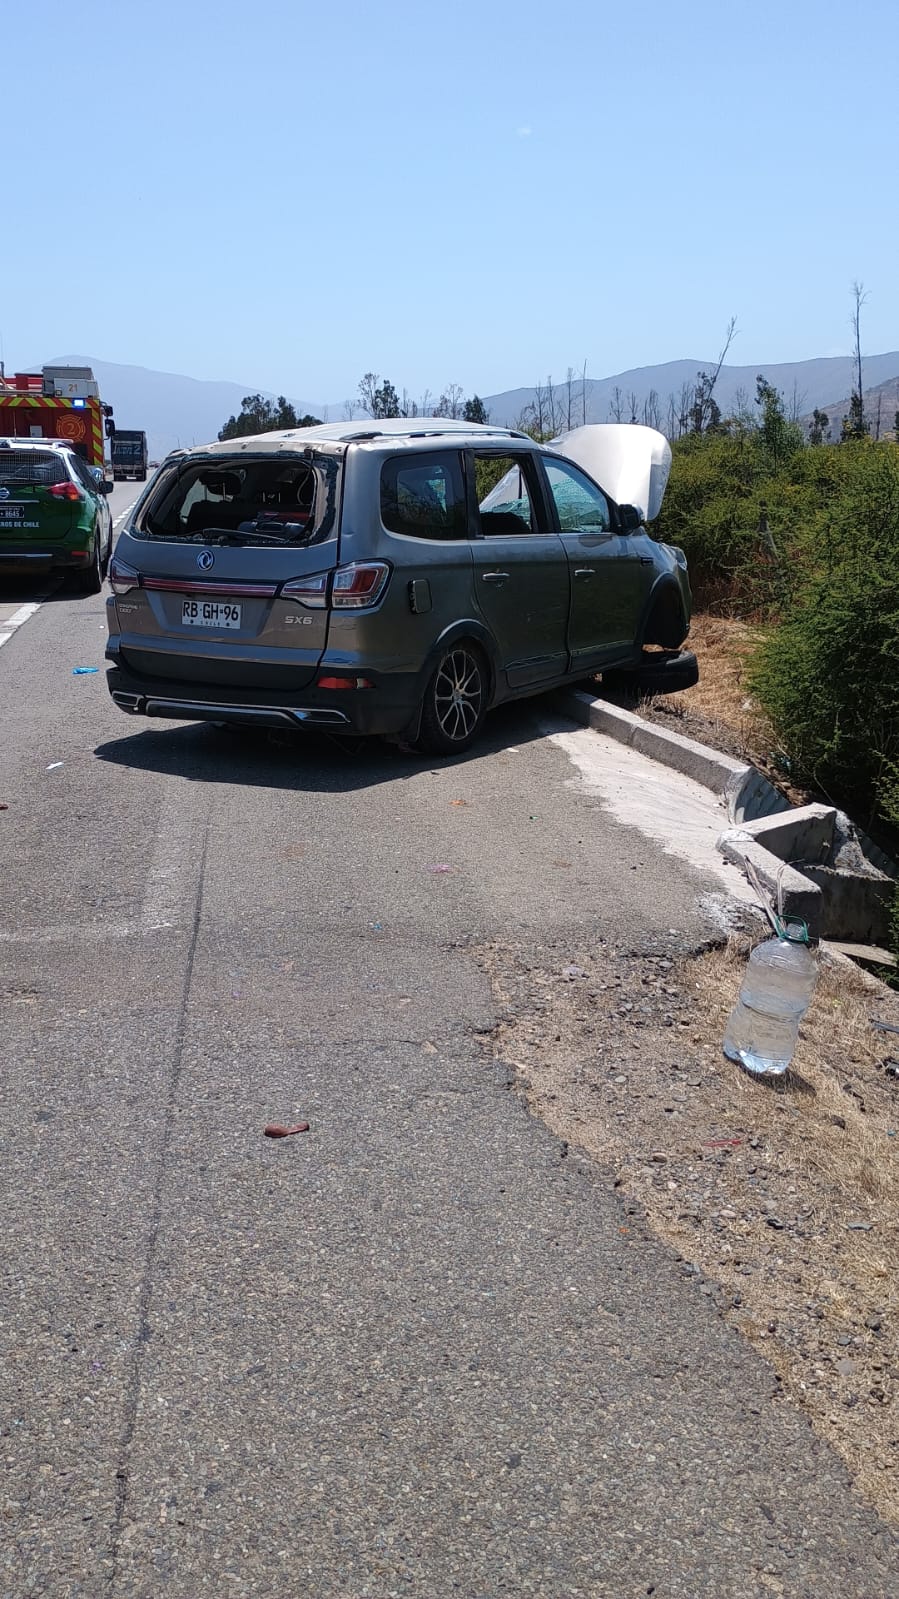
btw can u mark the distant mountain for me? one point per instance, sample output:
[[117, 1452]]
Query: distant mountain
[[176, 410], [881, 405], [172, 410], [804, 385]]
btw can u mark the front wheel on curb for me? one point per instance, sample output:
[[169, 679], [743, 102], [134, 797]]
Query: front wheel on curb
[[455, 702]]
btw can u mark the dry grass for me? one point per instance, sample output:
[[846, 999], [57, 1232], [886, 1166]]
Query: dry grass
[[721, 699], [786, 1197]]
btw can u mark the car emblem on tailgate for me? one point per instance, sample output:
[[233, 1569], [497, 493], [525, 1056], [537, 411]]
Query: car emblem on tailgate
[[4, 494], [205, 560]]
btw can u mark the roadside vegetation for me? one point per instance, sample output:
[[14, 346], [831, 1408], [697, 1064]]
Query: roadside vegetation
[[797, 539]]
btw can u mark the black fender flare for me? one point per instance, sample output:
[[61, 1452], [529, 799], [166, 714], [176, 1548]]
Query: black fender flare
[[467, 628], [664, 593]]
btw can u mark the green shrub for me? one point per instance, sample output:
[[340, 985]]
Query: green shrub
[[731, 513], [827, 676]]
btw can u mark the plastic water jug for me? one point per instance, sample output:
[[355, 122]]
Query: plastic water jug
[[763, 1028]]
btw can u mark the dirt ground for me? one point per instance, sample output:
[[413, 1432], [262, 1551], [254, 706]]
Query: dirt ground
[[781, 1201], [720, 710]]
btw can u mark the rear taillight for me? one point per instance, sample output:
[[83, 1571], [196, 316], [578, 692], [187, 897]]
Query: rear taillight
[[65, 491], [359, 585], [352, 587], [310, 591], [122, 578]]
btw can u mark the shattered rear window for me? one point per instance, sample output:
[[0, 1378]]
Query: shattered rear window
[[274, 499]]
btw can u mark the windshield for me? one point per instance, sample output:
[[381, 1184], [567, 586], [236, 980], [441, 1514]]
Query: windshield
[[275, 499]]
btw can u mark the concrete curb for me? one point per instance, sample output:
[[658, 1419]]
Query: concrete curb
[[747, 795]]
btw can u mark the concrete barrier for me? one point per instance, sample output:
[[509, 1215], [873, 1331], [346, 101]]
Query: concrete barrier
[[742, 788]]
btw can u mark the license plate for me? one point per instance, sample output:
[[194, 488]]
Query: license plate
[[210, 613], [14, 516]]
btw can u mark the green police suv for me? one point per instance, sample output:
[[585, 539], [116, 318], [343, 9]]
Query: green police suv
[[53, 512]]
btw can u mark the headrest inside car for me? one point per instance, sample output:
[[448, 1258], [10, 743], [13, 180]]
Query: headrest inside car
[[225, 484]]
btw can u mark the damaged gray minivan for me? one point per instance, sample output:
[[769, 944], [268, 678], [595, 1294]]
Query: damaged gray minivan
[[397, 578]]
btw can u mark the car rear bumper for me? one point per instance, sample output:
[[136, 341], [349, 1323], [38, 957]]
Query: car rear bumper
[[27, 558], [380, 710]]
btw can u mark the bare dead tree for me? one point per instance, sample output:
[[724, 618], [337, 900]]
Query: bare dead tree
[[877, 415], [584, 396], [859, 295], [632, 403], [545, 410], [450, 402], [569, 392], [652, 416], [616, 404], [684, 405], [705, 383], [855, 425], [425, 403], [740, 410], [797, 403], [367, 389]]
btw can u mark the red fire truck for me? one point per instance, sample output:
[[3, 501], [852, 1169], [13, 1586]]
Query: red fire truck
[[59, 402]]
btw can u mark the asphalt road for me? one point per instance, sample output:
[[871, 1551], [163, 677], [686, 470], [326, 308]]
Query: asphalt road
[[419, 1350]]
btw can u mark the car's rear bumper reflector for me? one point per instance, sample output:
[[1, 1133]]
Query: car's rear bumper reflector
[[213, 711], [178, 585]]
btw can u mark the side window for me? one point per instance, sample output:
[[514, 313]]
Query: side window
[[581, 506], [82, 472], [423, 496], [504, 495]]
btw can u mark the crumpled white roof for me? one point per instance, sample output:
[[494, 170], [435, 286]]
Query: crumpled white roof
[[343, 433]]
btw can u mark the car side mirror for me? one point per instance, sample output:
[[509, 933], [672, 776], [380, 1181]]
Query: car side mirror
[[629, 518], [106, 486]]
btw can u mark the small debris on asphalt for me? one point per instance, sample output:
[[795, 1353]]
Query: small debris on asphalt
[[84, 671], [439, 870], [275, 1130], [458, 802], [859, 1226], [53, 766]]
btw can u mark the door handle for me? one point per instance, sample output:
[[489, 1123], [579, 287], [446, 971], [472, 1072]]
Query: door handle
[[494, 577], [646, 560], [585, 571]]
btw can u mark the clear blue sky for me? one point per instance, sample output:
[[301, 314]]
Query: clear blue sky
[[290, 194]]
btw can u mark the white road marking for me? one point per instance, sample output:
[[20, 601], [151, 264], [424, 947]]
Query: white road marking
[[17, 618], [23, 613], [121, 518]]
